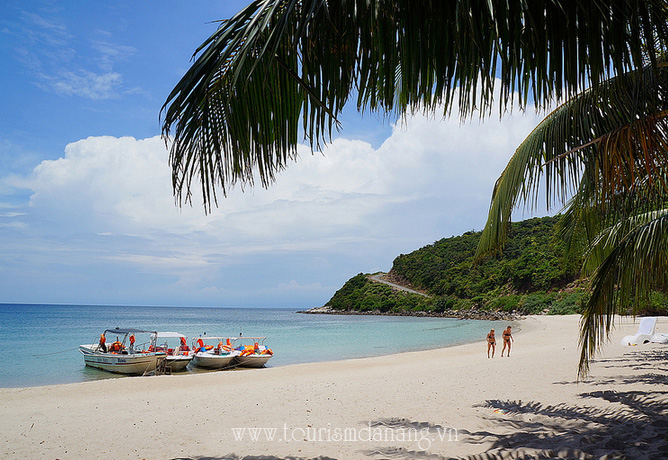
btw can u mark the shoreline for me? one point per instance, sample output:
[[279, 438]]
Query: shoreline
[[530, 402], [521, 325], [475, 314], [518, 324]]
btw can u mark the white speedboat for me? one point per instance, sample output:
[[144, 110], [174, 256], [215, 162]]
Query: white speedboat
[[124, 355], [176, 347], [255, 355], [213, 352]]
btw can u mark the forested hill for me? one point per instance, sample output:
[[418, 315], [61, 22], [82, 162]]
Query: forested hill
[[532, 260], [530, 276]]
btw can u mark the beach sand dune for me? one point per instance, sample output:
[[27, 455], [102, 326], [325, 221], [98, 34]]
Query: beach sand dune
[[438, 404]]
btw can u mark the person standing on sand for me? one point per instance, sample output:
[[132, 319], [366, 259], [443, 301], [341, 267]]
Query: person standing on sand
[[507, 337], [491, 343]]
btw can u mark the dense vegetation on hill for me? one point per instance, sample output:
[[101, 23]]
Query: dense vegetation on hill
[[530, 276]]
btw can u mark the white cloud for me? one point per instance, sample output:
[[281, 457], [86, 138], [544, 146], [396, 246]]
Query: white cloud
[[95, 86], [351, 209], [110, 53], [47, 50], [115, 185], [122, 185], [50, 31]]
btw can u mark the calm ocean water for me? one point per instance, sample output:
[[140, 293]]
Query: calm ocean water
[[39, 343]]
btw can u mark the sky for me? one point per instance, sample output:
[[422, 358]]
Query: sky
[[87, 214]]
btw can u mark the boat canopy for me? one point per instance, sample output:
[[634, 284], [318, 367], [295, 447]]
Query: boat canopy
[[128, 331], [167, 335], [206, 337]]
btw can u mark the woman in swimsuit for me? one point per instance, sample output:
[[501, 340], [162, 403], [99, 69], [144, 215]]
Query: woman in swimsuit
[[507, 337], [491, 343]]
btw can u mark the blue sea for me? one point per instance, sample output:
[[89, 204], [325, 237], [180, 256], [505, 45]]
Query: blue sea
[[39, 343]]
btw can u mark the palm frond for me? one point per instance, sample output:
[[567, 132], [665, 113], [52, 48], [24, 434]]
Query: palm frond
[[599, 146], [607, 148], [636, 265], [591, 227], [581, 220], [236, 113]]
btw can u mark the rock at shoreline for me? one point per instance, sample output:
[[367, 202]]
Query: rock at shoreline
[[320, 310], [459, 314]]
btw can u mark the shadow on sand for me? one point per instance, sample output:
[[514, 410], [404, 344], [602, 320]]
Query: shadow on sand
[[633, 427], [629, 425]]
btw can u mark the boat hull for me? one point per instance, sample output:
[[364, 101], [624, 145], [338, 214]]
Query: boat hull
[[132, 364], [178, 363], [252, 360], [211, 361]]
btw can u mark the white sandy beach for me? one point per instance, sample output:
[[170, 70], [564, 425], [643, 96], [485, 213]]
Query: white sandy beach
[[451, 402]]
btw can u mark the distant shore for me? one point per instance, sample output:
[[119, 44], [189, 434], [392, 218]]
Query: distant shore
[[445, 403], [457, 314]]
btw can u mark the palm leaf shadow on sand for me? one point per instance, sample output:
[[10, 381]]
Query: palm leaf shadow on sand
[[404, 424], [629, 425], [651, 362], [634, 427]]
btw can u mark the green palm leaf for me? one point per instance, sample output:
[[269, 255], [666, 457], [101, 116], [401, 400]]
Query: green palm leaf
[[608, 148], [636, 265], [603, 146], [281, 67]]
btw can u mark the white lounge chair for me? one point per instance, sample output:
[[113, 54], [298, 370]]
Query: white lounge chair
[[659, 337], [646, 330]]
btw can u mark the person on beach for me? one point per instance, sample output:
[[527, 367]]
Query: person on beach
[[507, 338], [491, 343]]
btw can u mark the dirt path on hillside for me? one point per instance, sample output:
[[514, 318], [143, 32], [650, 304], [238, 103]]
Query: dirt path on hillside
[[379, 277]]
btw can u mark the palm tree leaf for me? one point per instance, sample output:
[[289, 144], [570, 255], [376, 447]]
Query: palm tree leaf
[[603, 144], [626, 277], [235, 114]]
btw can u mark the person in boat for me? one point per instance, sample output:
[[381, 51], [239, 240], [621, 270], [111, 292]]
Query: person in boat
[[184, 346], [132, 342], [507, 338], [102, 345], [491, 343], [116, 347]]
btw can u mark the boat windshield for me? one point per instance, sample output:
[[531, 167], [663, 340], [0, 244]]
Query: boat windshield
[[127, 331], [168, 335]]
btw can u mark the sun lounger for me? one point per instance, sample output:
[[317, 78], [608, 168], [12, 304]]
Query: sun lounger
[[659, 337], [646, 330]]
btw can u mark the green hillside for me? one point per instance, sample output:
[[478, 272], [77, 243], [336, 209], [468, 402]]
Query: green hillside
[[531, 276]]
